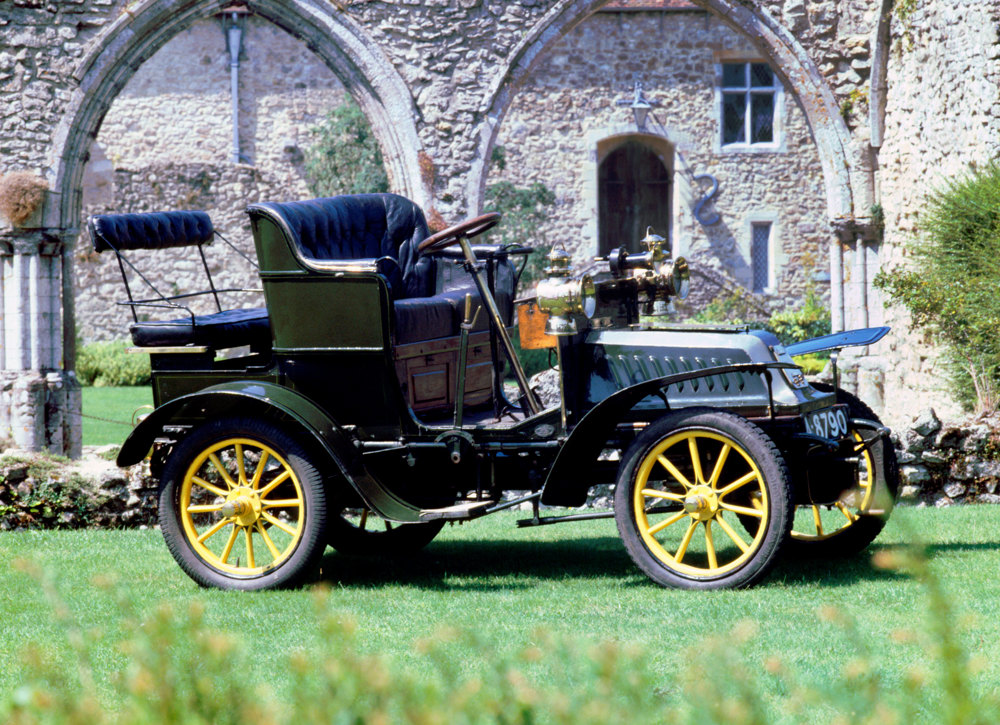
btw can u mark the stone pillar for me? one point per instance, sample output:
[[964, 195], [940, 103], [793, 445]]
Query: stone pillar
[[39, 399]]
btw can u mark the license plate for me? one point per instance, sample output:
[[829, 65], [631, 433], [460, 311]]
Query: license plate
[[828, 423]]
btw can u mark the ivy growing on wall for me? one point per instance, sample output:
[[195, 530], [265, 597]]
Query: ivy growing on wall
[[345, 157]]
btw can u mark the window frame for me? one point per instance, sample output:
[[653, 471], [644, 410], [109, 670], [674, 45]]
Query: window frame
[[777, 90]]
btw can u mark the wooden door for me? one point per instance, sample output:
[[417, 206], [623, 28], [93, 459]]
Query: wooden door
[[634, 189]]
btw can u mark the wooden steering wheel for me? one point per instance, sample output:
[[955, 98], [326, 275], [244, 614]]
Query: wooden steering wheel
[[468, 229]]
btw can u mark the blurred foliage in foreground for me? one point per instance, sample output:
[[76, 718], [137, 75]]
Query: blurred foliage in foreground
[[180, 670]]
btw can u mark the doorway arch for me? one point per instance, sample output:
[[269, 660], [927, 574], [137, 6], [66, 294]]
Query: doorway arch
[[634, 190], [847, 178]]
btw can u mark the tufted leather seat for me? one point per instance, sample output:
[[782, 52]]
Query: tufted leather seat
[[380, 226], [166, 230]]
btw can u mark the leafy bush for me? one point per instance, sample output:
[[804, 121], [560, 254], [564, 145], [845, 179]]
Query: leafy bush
[[950, 288], [345, 159], [739, 307], [810, 319], [524, 210], [109, 364]]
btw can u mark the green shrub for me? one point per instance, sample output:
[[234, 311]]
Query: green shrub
[[950, 287], [524, 210], [345, 158], [739, 307], [808, 320], [110, 364]]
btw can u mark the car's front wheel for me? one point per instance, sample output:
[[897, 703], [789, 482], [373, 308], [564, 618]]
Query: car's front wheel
[[685, 485], [243, 507]]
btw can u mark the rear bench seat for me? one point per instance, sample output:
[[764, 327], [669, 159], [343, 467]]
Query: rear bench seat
[[166, 230], [386, 227]]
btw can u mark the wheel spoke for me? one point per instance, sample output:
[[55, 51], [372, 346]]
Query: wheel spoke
[[364, 519], [229, 545], [699, 477], [388, 525], [259, 470], [665, 523], [282, 503], [653, 493], [665, 462], [739, 482], [240, 465], [203, 508], [851, 516], [267, 540], [249, 537], [682, 549], [817, 520], [717, 471], [209, 486], [731, 533], [713, 562], [278, 522], [279, 479], [742, 510], [222, 470], [212, 531]]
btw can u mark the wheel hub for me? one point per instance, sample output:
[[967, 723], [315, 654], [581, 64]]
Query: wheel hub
[[243, 505], [701, 503]]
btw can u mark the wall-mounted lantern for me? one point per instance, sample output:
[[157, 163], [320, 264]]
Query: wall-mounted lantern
[[639, 104]]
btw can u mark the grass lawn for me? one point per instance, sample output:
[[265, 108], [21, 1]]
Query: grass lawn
[[809, 622], [112, 404]]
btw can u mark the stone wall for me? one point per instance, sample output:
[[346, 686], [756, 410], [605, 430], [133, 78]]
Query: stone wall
[[223, 190], [942, 117], [567, 108], [166, 143]]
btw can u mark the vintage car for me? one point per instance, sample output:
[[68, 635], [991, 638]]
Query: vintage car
[[365, 406]]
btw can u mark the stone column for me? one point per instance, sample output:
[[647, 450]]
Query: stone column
[[39, 398]]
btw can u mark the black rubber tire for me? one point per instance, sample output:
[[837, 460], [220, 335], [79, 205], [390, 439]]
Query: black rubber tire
[[348, 537], [856, 537], [300, 558], [772, 481]]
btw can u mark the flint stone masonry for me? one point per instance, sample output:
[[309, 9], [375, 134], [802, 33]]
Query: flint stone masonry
[[951, 462], [564, 120], [437, 77]]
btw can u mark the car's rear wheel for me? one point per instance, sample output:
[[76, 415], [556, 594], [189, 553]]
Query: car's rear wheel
[[243, 507], [851, 523], [681, 486]]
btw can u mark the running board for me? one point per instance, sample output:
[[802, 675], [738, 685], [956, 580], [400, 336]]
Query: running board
[[460, 511]]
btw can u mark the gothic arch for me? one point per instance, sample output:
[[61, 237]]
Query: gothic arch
[[848, 181], [147, 25]]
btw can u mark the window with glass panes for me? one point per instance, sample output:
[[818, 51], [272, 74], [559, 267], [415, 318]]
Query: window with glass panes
[[749, 103], [760, 255]]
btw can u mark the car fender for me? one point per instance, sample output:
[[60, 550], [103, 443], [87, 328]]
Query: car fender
[[257, 396], [848, 338], [568, 480]]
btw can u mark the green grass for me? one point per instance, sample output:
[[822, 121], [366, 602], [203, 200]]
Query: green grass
[[111, 404], [818, 623]]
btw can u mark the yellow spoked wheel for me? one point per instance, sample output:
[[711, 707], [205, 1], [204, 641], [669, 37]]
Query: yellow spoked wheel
[[851, 522], [685, 486], [242, 507]]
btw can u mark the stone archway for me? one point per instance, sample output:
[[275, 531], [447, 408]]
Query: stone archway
[[139, 32], [43, 410], [848, 180]]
